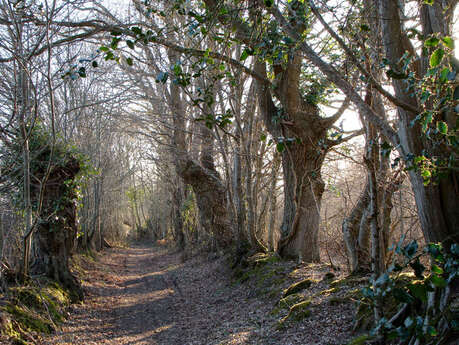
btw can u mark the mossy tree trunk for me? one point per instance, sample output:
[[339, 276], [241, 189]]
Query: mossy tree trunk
[[56, 230]]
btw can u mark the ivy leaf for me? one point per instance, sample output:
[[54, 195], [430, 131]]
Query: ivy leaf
[[455, 249], [383, 279], [114, 43], [130, 44], [436, 57], [432, 331], [82, 72], [435, 250], [442, 127], [95, 64], [129, 61], [429, 2]]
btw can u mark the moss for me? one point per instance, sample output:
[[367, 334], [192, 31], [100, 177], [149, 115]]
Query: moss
[[297, 312], [27, 296], [57, 293], [289, 301], [329, 291], [266, 277], [33, 310], [299, 286], [361, 340], [268, 259], [349, 281], [8, 329], [48, 300], [29, 320], [294, 273]]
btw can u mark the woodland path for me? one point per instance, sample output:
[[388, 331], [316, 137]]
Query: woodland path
[[145, 295]]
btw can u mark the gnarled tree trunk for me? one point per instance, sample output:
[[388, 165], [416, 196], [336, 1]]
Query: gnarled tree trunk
[[56, 233], [210, 191]]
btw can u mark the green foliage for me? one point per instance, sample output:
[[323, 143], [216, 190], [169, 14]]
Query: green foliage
[[425, 317], [299, 286], [438, 94], [45, 158]]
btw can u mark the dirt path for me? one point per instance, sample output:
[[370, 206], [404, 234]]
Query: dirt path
[[129, 301], [140, 296]]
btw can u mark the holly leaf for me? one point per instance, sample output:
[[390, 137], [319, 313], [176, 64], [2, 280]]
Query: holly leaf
[[436, 57], [448, 42], [442, 127], [280, 147], [418, 290], [130, 44], [438, 281], [431, 42], [402, 296]]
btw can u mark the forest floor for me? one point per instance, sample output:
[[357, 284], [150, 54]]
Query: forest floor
[[143, 295]]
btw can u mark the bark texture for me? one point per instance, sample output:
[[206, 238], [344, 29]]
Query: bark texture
[[56, 233], [437, 204], [210, 191]]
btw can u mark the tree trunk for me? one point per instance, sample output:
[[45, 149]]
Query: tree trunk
[[357, 235], [211, 195], [303, 189], [273, 202], [57, 231], [177, 195], [437, 204]]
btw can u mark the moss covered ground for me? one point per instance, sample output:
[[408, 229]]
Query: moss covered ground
[[31, 310]]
